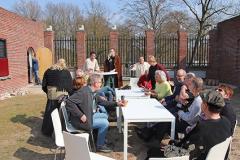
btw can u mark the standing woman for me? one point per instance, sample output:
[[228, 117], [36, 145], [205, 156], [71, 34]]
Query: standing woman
[[57, 81], [113, 63], [152, 69]]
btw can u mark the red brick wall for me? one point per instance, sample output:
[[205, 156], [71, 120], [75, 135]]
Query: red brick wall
[[224, 52], [20, 34]]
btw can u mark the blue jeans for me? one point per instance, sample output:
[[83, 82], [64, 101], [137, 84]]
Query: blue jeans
[[100, 122], [36, 76], [108, 92]]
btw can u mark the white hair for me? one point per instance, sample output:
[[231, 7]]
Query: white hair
[[162, 74], [95, 78]]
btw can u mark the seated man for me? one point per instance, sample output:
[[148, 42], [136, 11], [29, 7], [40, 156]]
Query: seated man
[[170, 101], [86, 115], [209, 132], [140, 67]]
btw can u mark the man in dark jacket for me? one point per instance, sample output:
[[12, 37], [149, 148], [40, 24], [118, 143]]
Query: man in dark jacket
[[86, 114]]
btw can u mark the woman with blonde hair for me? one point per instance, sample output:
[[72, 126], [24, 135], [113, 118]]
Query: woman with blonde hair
[[57, 81], [152, 69]]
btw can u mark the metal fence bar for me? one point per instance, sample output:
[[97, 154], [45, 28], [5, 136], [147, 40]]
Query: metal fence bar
[[65, 47], [166, 50], [201, 57]]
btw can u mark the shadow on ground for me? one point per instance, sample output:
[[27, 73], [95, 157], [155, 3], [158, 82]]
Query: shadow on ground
[[35, 139]]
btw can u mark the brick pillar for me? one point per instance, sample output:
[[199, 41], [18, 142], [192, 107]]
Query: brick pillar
[[81, 48], [150, 45], [113, 38], [182, 49], [213, 68], [48, 42]]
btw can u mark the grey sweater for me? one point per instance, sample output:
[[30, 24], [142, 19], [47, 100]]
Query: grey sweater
[[194, 109]]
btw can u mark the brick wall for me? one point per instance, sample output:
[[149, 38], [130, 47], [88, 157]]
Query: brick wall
[[20, 34], [225, 52]]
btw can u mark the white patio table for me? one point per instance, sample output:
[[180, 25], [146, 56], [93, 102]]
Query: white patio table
[[136, 93], [145, 110]]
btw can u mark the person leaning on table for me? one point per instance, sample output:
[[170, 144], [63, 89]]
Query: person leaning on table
[[163, 87]]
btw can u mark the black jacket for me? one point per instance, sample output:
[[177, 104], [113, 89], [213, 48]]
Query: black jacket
[[78, 104], [59, 78]]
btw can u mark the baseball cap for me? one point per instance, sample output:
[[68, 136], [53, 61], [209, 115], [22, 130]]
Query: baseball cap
[[213, 98]]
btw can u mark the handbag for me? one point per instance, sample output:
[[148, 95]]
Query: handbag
[[174, 151], [53, 94]]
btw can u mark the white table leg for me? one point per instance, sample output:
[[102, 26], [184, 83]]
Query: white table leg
[[173, 129], [125, 140], [118, 118]]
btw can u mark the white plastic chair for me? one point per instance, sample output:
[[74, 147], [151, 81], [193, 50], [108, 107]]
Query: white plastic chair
[[219, 150], [57, 131], [172, 158], [133, 82], [76, 147]]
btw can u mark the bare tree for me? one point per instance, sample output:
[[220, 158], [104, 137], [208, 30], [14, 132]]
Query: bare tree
[[65, 18], [205, 11], [147, 13], [28, 8], [97, 20]]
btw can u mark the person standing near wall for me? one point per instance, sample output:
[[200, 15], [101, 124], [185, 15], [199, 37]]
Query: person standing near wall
[[35, 67], [57, 81], [113, 63]]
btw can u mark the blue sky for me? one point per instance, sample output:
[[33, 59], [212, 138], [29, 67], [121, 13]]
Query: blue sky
[[113, 6]]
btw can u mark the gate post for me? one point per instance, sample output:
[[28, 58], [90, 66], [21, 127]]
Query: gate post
[[81, 48], [48, 42], [150, 45], [182, 48], [113, 40]]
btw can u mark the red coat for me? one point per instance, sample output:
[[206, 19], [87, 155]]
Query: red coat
[[144, 82]]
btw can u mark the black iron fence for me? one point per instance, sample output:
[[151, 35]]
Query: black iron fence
[[65, 47], [100, 45], [201, 55], [166, 50], [130, 49]]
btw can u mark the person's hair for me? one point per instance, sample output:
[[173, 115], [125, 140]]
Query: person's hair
[[214, 108], [182, 71], [92, 52], [94, 78], [197, 83], [190, 75], [60, 65], [227, 89], [151, 58], [161, 74], [79, 82]]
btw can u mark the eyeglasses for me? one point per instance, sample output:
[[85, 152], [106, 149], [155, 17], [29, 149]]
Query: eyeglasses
[[180, 75]]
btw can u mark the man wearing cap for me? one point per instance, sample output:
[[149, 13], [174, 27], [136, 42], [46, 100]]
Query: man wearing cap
[[207, 133], [211, 131]]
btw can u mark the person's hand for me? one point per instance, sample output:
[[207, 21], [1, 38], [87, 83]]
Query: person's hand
[[103, 98], [162, 101], [122, 103], [147, 93], [83, 118]]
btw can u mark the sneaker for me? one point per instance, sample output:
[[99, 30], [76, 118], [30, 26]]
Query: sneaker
[[104, 149]]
